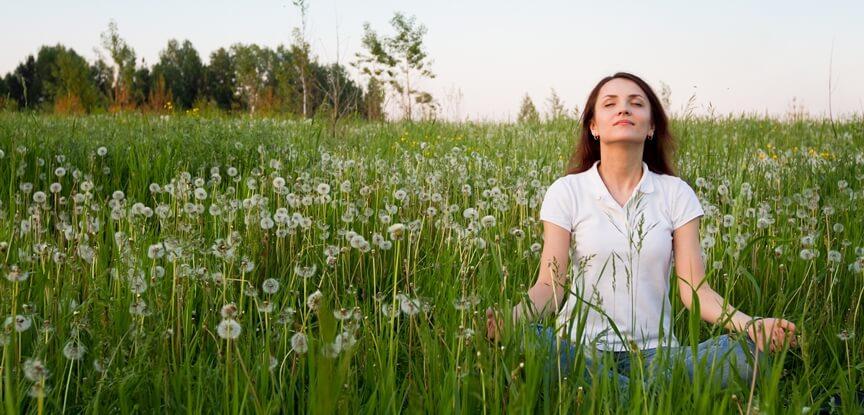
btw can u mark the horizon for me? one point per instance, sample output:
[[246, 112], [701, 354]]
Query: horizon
[[772, 58]]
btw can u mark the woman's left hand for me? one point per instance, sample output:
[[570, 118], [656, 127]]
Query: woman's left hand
[[772, 332]]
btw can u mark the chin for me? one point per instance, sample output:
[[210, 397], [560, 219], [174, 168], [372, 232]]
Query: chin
[[624, 140]]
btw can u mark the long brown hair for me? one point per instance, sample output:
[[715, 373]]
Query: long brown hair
[[658, 151]]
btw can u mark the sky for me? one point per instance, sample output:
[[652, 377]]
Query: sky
[[721, 57]]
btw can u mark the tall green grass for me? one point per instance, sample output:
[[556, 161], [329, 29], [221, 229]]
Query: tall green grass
[[419, 323]]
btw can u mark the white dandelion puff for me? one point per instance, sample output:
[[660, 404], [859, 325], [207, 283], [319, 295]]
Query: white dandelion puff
[[229, 311], [270, 286], [39, 197], [488, 221], [229, 329], [16, 275], [299, 343], [342, 314], [265, 307], [74, 350], [314, 300], [345, 340], [410, 306], [396, 231], [35, 370], [470, 213]]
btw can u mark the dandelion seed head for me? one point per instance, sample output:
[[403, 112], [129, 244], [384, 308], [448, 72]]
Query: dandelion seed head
[[15, 274], [410, 306], [342, 314], [845, 335], [229, 329], [345, 340], [488, 221], [396, 231], [270, 286], [313, 301], [37, 391], [74, 350], [35, 370], [139, 308], [229, 311], [470, 213], [299, 343]]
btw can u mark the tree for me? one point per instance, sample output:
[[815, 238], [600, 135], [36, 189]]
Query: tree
[[142, 85], [160, 98], [41, 90], [556, 107], [527, 111], [341, 95], [124, 61], [398, 60], [373, 105], [22, 81], [219, 79], [253, 67], [70, 84], [102, 77], [181, 67]]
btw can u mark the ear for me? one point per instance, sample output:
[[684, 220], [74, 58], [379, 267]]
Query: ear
[[591, 127]]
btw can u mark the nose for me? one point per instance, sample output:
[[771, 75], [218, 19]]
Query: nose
[[624, 110]]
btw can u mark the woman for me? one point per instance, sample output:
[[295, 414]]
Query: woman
[[627, 214]]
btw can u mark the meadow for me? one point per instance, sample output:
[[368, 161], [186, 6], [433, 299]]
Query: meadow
[[184, 264]]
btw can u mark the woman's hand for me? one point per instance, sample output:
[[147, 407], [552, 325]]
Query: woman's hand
[[772, 332], [493, 325]]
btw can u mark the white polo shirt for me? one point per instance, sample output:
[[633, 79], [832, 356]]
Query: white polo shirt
[[620, 256]]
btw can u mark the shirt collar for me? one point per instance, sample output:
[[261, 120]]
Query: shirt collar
[[645, 185]]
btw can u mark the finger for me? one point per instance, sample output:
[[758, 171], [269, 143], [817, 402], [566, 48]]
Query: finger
[[776, 343], [786, 324]]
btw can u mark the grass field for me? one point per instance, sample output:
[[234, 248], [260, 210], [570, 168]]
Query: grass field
[[192, 265]]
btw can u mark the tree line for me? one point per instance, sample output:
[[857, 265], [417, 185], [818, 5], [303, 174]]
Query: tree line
[[242, 78]]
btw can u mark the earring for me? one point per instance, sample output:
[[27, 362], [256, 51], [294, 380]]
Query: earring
[[596, 137], [650, 137]]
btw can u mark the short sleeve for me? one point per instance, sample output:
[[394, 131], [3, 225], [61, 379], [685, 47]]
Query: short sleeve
[[685, 205], [559, 205]]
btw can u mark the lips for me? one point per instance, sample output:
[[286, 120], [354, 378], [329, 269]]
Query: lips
[[623, 122]]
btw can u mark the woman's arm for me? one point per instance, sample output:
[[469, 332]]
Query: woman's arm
[[548, 292], [690, 270]]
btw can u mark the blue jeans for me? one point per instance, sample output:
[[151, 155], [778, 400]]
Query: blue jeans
[[722, 357]]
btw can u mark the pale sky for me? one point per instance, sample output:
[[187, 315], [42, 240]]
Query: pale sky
[[737, 56]]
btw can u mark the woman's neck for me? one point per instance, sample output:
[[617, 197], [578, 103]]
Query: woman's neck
[[620, 169]]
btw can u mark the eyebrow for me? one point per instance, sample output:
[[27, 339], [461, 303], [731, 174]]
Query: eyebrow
[[631, 96]]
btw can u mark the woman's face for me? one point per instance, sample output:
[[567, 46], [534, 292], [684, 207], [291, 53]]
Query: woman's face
[[622, 113]]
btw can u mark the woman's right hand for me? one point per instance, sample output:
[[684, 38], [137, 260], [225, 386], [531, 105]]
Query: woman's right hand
[[493, 325]]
